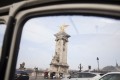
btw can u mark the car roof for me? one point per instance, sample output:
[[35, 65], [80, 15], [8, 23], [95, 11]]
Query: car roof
[[110, 73], [89, 72], [113, 73]]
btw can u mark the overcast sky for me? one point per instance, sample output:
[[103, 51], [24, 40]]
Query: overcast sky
[[91, 37]]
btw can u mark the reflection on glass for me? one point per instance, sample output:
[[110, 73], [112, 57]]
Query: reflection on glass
[[2, 32], [111, 77], [91, 38]]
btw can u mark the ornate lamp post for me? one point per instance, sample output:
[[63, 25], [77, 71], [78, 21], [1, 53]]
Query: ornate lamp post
[[80, 67]]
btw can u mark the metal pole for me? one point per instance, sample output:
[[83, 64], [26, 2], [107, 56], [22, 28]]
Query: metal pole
[[36, 70], [80, 67], [98, 63]]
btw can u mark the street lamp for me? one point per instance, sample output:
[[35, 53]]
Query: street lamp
[[98, 63], [36, 71], [80, 67]]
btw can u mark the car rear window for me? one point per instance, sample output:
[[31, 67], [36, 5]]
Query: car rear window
[[86, 75]]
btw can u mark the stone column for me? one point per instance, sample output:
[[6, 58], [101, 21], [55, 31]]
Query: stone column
[[59, 60]]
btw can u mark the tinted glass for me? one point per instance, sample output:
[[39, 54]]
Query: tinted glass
[[86, 75], [74, 75], [111, 77]]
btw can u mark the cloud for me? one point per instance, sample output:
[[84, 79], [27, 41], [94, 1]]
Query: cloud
[[33, 56], [85, 48], [93, 25], [2, 28], [108, 21], [37, 33]]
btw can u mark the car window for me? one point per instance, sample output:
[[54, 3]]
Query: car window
[[74, 75], [59, 44], [86, 75], [2, 32], [101, 74], [111, 77]]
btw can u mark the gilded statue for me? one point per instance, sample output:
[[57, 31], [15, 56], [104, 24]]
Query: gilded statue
[[62, 27]]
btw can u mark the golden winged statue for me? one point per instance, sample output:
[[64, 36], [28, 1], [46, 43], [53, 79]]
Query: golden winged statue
[[62, 27]]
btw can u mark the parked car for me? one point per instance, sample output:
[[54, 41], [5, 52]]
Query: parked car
[[111, 76], [83, 76], [21, 75]]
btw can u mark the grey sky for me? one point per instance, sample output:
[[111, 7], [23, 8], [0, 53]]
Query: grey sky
[[91, 37]]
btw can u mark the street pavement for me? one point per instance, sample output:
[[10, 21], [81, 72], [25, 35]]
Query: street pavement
[[40, 78]]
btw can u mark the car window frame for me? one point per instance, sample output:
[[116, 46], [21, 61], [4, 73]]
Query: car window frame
[[18, 17]]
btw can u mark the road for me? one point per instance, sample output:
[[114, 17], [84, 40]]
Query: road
[[40, 78]]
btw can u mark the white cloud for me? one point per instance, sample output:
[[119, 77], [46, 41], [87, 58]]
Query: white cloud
[[2, 28], [85, 48], [37, 33], [93, 25], [108, 21]]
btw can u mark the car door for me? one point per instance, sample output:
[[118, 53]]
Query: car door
[[15, 15], [73, 76]]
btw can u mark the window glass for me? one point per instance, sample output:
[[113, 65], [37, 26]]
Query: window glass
[[74, 75], [2, 32], [59, 45], [111, 77], [86, 75], [90, 75]]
